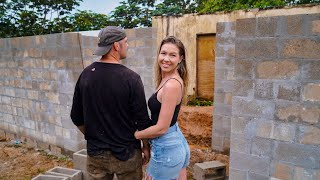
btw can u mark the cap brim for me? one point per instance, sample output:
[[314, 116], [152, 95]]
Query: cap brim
[[100, 51]]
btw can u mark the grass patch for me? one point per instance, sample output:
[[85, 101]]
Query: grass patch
[[199, 102]]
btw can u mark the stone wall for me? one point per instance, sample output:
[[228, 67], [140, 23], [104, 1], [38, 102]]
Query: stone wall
[[188, 26], [37, 79], [224, 85], [276, 99]]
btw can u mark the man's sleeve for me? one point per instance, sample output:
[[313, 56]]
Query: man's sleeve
[[77, 107], [139, 106]]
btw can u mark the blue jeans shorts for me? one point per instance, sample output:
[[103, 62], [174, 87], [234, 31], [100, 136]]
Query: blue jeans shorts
[[169, 154]]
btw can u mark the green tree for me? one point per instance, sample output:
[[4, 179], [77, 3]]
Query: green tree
[[210, 6], [130, 15], [135, 13], [175, 7], [88, 20], [33, 17]]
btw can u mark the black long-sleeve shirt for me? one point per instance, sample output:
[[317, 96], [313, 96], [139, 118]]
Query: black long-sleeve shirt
[[109, 101]]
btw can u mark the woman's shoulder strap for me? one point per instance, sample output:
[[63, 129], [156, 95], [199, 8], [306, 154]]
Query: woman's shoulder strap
[[167, 81]]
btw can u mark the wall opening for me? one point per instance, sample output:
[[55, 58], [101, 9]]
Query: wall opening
[[206, 44]]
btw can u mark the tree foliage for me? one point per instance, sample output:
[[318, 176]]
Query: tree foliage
[[210, 6], [36, 17], [33, 17], [135, 13]]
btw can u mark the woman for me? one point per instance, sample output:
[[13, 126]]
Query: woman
[[170, 152]]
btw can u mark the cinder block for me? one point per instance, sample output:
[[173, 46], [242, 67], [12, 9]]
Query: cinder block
[[71, 174], [49, 177], [213, 170], [80, 162]]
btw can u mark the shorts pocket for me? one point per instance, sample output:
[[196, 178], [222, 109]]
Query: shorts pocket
[[171, 156]]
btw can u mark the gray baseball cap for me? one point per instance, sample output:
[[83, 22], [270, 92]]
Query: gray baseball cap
[[107, 36]]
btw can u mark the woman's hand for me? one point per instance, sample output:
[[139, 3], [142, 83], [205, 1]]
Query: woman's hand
[[136, 134]]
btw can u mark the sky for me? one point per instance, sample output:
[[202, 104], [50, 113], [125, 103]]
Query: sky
[[99, 6]]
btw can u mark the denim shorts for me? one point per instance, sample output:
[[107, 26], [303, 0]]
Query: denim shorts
[[169, 154]]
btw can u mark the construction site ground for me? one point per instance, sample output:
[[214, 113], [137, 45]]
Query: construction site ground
[[18, 161]]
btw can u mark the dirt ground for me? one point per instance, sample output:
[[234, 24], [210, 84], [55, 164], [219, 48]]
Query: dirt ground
[[21, 162]]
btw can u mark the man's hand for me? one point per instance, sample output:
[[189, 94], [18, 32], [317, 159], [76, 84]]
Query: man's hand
[[146, 152]]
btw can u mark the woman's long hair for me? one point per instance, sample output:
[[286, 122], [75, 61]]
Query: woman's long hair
[[182, 66]]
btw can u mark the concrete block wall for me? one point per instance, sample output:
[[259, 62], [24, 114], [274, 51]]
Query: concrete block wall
[[38, 74], [224, 83], [275, 124], [37, 79]]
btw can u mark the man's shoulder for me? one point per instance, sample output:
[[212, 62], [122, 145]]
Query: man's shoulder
[[130, 72]]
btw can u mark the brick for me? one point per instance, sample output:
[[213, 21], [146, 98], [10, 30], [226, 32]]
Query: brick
[[58, 64], [295, 25], [253, 176], [261, 147], [292, 48], [50, 76], [237, 174], [290, 92], [297, 154], [310, 114], [253, 108], [220, 27], [225, 40], [254, 164], [282, 171], [240, 144], [288, 112], [55, 150], [316, 175], [52, 97], [34, 95], [315, 27], [80, 162], [217, 143], [267, 26], [277, 70], [243, 88], [263, 90], [310, 71], [311, 92], [72, 174], [309, 135], [222, 109], [243, 69], [301, 173], [143, 32], [246, 27], [49, 177], [256, 48], [263, 129], [238, 124], [284, 132], [212, 169]]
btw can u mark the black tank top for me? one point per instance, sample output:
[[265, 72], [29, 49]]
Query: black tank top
[[155, 106]]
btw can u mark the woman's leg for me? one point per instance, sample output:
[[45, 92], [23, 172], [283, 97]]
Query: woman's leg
[[183, 174]]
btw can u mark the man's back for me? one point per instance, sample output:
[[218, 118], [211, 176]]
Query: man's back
[[109, 100]]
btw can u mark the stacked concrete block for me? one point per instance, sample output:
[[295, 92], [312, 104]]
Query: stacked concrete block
[[37, 79], [80, 162], [276, 101], [224, 83], [142, 55], [49, 177], [211, 170], [71, 174]]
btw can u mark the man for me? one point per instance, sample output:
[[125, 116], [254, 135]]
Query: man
[[109, 105]]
